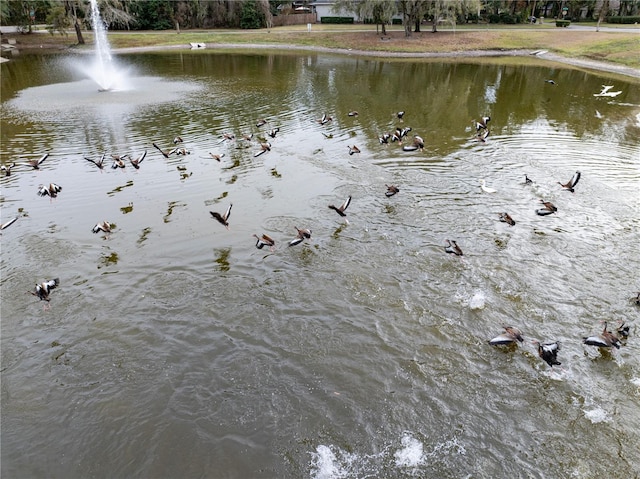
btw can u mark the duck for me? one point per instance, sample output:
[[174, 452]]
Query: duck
[[341, 209], [264, 148], [7, 168], [452, 247], [352, 113], [103, 226], [52, 190], [353, 149], [623, 330], [136, 163], [506, 218], [527, 180], [482, 123], [384, 138], [391, 190], [260, 122], [551, 82], [8, 223], [216, 157], [99, 163], [548, 352], [180, 151], [327, 135], [273, 132], [570, 185], [606, 339], [303, 234], [43, 289], [549, 208], [482, 136], [636, 299], [264, 240], [510, 336], [417, 144], [177, 140], [35, 164], [165, 153], [485, 188], [247, 137], [118, 162], [400, 115], [223, 219], [324, 119]]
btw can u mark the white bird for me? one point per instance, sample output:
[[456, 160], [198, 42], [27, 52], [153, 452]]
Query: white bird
[[485, 188], [605, 91]]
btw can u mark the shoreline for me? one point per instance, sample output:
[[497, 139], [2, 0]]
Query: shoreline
[[542, 54]]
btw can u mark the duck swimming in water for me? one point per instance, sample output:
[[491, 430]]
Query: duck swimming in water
[[450, 246], [264, 240], [391, 190], [548, 352], [223, 219], [570, 185], [353, 149], [510, 336], [606, 339], [302, 235], [417, 144], [506, 218]]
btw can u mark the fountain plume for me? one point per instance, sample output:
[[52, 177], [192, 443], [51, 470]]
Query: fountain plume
[[103, 70]]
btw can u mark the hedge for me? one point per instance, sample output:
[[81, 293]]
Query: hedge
[[336, 19], [563, 23], [627, 19]]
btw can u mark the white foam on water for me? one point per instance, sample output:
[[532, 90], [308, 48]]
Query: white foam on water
[[324, 464], [331, 462], [478, 300], [411, 453], [597, 415]]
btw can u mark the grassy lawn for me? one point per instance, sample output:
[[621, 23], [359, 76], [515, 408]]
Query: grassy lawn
[[622, 47]]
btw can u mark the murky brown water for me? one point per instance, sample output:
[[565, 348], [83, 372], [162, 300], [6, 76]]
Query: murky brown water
[[175, 348]]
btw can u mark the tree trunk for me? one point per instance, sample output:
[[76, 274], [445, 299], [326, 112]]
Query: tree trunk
[[434, 27], [384, 30], [78, 31], [417, 29]]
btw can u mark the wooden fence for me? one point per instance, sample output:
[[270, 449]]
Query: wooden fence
[[294, 19]]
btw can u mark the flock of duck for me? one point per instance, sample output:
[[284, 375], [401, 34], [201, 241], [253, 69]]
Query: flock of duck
[[511, 336]]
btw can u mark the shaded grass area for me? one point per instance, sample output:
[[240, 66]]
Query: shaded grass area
[[617, 47]]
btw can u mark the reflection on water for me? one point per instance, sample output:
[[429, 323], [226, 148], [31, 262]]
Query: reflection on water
[[179, 346]]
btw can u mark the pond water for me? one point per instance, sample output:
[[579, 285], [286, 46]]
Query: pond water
[[173, 347]]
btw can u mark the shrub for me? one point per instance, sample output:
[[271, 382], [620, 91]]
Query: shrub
[[336, 19], [623, 19], [563, 23]]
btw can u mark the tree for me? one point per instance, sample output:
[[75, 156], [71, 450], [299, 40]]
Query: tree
[[412, 13], [604, 9], [449, 10], [379, 11], [58, 21], [251, 17]]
